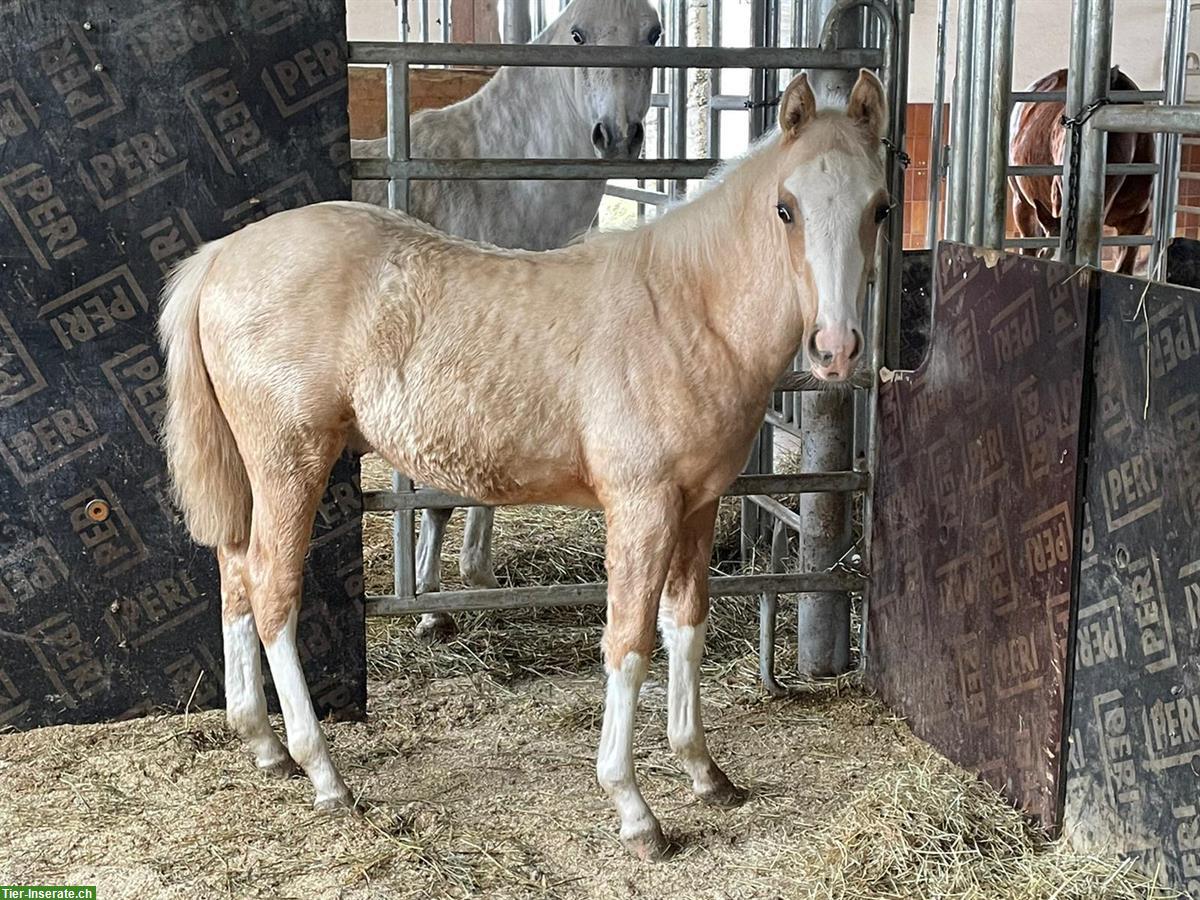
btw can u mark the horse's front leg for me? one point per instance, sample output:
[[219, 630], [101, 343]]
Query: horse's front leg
[[683, 618], [642, 531]]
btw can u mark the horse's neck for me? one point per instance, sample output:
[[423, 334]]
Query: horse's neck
[[529, 112], [732, 270]]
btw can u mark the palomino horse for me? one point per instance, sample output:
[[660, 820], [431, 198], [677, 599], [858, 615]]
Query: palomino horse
[[1038, 139], [522, 113], [630, 372]]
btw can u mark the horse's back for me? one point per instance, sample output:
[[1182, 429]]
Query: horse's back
[[287, 301]]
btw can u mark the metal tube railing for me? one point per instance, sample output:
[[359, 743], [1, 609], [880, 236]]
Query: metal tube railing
[[616, 57], [594, 593], [960, 132], [981, 84], [1090, 193], [937, 140], [999, 109], [743, 486], [1166, 186]]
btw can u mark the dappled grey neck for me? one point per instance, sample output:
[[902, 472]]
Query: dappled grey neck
[[522, 103]]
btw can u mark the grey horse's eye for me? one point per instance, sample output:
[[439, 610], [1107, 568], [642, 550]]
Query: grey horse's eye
[[577, 36], [784, 213], [655, 35], [881, 212]]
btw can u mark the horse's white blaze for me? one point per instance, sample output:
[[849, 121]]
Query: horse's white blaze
[[830, 205], [614, 760], [245, 702], [306, 743], [685, 728]]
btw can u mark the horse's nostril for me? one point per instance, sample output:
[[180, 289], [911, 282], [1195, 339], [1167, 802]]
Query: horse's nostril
[[636, 134], [858, 344], [600, 136], [817, 355]]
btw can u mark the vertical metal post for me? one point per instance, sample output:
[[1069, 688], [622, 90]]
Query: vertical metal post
[[714, 81], [1166, 186], [999, 107], [960, 133], [1071, 108], [937, 141], [981, 82], [403, 522], [423, 12], [823, 619], [518, 29], [679, 97], [445, 21], [891, 274], [1095, 145]]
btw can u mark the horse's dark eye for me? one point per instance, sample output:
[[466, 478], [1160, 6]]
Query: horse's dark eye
[[655, 35], [785, 214], [881, 212], [577, 36]]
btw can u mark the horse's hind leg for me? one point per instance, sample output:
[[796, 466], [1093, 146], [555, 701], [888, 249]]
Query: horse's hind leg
[[683, 619], [285, 501], [245, 702], [641, 536], [1137, 222], [433, 626], [475, 561], [1025, 216]]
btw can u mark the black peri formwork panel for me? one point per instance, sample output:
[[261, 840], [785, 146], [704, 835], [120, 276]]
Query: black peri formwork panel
[[1133, 776], [973, 540], [130, 131]]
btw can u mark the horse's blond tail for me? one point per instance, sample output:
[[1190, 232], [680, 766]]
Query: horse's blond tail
[[209, 479]]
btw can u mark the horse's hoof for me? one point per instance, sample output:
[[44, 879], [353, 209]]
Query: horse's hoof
[[723, 793], [436, 628], [647, 843], [336, 806], [281, 768], [480, 580]]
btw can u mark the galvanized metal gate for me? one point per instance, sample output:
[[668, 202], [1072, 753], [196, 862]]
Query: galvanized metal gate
[[851, 473], [977, 159]]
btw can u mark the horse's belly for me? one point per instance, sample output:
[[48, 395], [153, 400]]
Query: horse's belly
[[480, 445]]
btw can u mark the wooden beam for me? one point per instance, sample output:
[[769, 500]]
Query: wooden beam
[[428, 89]]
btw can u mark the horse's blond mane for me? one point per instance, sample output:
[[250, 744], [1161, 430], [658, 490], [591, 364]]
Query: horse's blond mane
[[696, 229]]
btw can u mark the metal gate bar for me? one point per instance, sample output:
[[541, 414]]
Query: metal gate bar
[[593, 593]]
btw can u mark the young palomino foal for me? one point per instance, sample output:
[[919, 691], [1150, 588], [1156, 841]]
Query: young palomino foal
[[523, 112], [629, 372]]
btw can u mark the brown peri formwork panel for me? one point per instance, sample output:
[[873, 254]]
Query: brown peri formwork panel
[[1133, 770], [972, 547], [130, 132]]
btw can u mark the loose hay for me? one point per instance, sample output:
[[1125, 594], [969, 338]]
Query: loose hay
[[932, 830]]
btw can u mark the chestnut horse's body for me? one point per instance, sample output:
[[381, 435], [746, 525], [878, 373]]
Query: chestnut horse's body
[[1038, 138], [629, 372]]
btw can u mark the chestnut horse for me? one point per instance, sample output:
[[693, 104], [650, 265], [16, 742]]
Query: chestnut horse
[[629, 372], [1038, 139]]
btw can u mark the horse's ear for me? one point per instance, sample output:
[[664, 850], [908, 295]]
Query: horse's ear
[[868, 105], [797, 106]]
